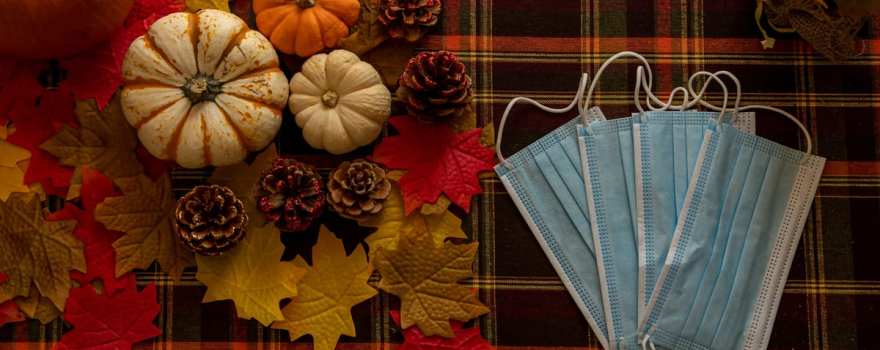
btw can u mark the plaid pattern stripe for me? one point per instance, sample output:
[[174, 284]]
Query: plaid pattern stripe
[[538, 49]]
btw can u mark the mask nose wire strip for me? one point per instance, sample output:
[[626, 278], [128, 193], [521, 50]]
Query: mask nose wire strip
[[585, 78], [737, 108]]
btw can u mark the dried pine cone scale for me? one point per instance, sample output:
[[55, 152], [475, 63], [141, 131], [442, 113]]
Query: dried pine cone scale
[[291, 194], [210, 220], [358, 188], [409, 19], [435, 86]]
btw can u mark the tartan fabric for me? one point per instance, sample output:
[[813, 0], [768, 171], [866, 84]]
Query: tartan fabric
[[538, 49]]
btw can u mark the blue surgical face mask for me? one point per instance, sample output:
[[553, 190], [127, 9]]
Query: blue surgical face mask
[[607, 150], [666, 145], [733, 243], [545, 182]]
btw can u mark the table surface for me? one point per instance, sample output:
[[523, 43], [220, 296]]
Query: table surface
[[538, 49]]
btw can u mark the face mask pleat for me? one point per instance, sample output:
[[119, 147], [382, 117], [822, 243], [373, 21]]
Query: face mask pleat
[[545, 183], [610, 159], [566, 195], [739, 209], [737, 192]]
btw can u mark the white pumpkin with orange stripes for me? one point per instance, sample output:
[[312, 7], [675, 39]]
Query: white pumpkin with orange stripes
[[203, 89]]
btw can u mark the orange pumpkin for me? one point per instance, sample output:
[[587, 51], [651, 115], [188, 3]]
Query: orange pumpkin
[[39, 29], [304, 27]]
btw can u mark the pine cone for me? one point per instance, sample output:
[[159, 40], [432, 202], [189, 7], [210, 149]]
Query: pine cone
[[210, 220], [409, 19], [358, 188], [291, 194], [435, 86]]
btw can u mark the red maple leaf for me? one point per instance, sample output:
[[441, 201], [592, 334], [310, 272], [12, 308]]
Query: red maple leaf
[[109, 322], [437, 160], [469, 338], [36, 118], [97, 73], [98, 240], [9, 311]]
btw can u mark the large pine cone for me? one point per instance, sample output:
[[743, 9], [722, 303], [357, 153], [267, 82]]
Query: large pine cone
[[409, 19], [291, 194], [210, 220], [358, 188], [435, 86]]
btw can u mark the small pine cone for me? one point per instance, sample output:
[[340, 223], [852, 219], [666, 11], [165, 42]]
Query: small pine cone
[[210, 220], [291, 194], [358, 188], [409, 19], [435, 86]]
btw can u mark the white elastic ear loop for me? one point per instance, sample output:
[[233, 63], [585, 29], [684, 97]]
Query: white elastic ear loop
[[698, 97], [585, 104], [737, 107], [790, 117], [585, 78], [642, 84], [714, 76]]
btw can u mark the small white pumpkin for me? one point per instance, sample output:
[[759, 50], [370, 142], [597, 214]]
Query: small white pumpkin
[[339, 101], [203, 89]]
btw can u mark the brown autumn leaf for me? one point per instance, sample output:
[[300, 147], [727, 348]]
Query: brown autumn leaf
[[145, 213], [104, 141], [367, 33], [38, 307], [425, 277], [36, 251]]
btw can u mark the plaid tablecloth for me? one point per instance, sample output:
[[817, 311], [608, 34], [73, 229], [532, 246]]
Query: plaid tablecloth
[[538, 49]]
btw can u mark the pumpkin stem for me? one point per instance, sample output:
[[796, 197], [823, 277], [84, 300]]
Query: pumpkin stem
[[201, 88], [330, 98], [304, 4]]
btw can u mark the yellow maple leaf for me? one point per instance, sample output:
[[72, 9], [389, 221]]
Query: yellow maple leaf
[[145, 213], [38, 307], [333, 285], [104, 141], [252, 275], [425, 278], [34, 250], [11, 174], [195, 5], [242, 179], [392, 220]]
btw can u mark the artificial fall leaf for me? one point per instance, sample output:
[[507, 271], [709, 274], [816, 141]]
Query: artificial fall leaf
[[37, 307], [242, 179], [35, 122], [11, 154], [425, 278], [391, 221], [145, 214], [195, 5], [465, 339], [252, 275], [98, 240], [104, 141], [367, 32], [110, 322], [333, 285], [440, 206], [97, 73], [11, 180], [34, 250], [437, 160], [858, 8], [9, 312]]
